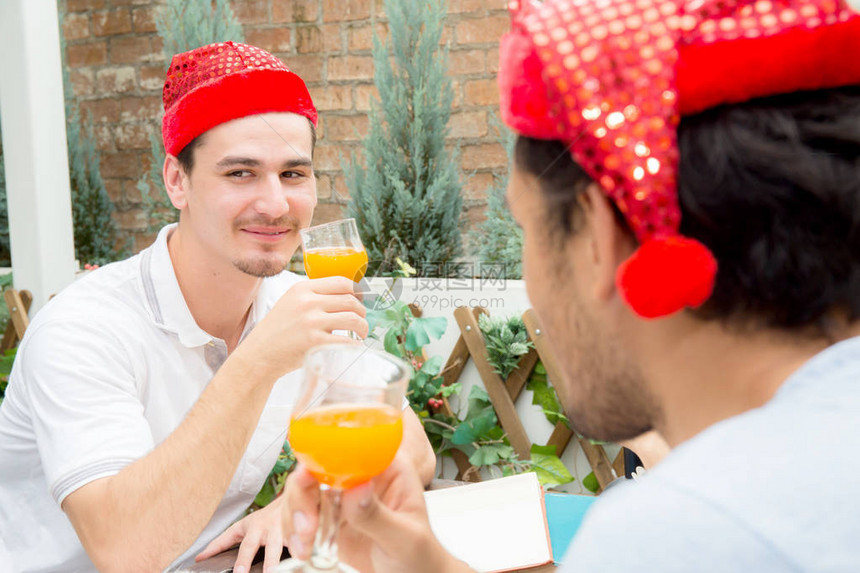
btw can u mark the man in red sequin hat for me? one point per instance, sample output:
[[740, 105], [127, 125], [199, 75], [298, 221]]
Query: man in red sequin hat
[[687, 177], [150, 400]]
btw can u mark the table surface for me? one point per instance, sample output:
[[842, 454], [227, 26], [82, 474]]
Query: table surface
[[223, 562]]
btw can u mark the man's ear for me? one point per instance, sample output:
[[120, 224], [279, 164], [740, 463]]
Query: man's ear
[[175, 182], [610, 243]]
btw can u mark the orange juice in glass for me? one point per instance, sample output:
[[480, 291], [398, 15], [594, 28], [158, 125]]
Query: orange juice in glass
[[336, 262], [346, 445], [346, 428]]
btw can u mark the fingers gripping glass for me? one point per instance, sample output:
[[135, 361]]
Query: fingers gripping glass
[[334, 250], [346, 429]]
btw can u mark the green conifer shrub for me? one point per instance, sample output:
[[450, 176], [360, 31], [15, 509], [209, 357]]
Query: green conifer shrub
[[499, 240], [95, 232], [406, 194], [183, 25], [5, 246]]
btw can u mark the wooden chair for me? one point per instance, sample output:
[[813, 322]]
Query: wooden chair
[[18, 303], [503, 393]]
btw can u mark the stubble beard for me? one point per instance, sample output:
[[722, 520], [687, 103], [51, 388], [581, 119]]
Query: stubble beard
[[611, 400], [264, 266]]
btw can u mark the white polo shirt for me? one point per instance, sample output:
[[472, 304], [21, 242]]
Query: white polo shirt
[[106, 371]]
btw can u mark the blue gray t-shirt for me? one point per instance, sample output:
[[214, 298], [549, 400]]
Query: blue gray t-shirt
[[774, 489]]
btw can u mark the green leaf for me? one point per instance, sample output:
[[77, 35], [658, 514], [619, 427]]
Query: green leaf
[[432, 366], [544, 396], [391, 344], [545, 450], [266, 495], [451, 389], [416, 337], [471, 430], [590, 483], [478, 399], [550, 470], [435, 326], [490, 454]]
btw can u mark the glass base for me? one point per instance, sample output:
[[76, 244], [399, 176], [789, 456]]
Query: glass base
[[294, 565]]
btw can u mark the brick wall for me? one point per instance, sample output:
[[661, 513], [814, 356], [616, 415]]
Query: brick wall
[[117, 65]]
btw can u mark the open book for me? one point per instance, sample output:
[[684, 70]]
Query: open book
[[496, 525]]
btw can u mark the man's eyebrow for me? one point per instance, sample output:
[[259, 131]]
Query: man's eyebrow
[[297, 162], [234, 161]]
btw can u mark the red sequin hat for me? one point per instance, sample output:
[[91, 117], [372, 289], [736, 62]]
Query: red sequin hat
[[612, 78], [214, 84]]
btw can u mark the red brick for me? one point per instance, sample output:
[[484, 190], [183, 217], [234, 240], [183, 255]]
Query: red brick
[[143, 240], [482, 30], [457, 88], [350, 68], [461, 6], [122, 164], [103, 134], [483, 155], [104, 110], [346, 127], [90, 54], [364, 94], [308, 67], [482, 92], [339, 191], [295, 10], [132, 136], [130, 220], [143, 19], [84, 5], [475, 186], [316, 39], [114, 189], [327, 212], [332, 97], [327, 157], [83, 81], [116, 79], [76, 26], [112, 22], [132, 49], [475, 215], [493, 60], [152, 76], [342, 10], [139, 108], [461, 62], [270, 39], [361, 37], [468, 124], [251, 11], [324, 187]]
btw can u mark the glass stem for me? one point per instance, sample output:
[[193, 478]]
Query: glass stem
[[324, 554]]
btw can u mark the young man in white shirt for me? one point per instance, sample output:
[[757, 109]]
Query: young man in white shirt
[[149, 401], [687, 177]]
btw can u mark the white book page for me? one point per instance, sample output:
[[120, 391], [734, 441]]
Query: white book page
[[495, 525]]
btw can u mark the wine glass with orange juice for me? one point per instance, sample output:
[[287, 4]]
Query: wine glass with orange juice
[[346, 428], [334, 249]]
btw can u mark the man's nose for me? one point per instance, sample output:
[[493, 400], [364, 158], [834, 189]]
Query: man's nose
[[272, 197]]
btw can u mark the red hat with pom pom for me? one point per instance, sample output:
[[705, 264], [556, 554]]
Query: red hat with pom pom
[[214, 84], [612, 78]]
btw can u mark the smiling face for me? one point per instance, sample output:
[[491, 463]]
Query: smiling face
[[250, 190]]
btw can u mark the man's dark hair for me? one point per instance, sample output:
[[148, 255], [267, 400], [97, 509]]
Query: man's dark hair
[[772, 187], [186, 156]]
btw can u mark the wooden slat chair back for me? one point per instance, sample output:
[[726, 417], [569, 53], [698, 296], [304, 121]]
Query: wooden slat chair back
[[18, 303], [503, 393]]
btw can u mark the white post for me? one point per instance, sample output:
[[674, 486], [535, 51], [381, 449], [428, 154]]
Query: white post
[[34, 146]]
